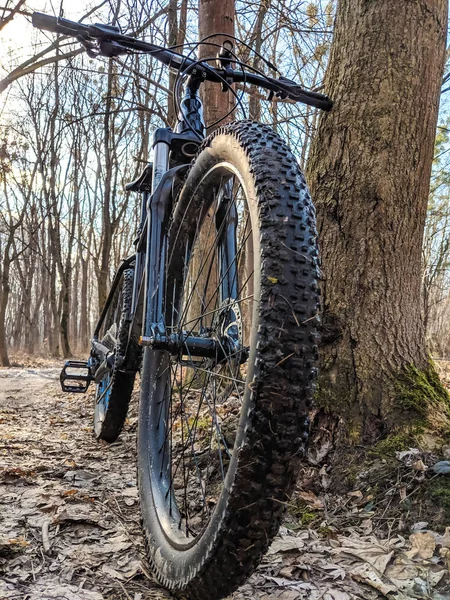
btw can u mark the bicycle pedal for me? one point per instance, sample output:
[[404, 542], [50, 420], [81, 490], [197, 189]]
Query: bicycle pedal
[[78, 374]]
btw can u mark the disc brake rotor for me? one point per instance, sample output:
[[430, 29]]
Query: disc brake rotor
[[227, 327]]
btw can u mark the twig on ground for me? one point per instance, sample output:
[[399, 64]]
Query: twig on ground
[[124, 590], [45, 537]]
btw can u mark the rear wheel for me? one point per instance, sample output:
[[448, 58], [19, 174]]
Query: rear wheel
[[218, 435], [114, 391]]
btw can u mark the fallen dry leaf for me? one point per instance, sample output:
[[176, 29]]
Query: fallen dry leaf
[[365, 573], [442, 540], [311, 500], [367, 526], [125, 573], [423, 544], [445, 553], [285, 544], [371, 551], [334, 571], [412, 577], [419, 465], [355, 494], [317, 453], [407, 454], [288, 572], [13, 545]]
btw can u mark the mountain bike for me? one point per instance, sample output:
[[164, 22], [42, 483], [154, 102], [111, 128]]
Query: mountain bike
[[217, 309]]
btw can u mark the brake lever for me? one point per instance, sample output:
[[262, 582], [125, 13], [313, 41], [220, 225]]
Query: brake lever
[[108, 29], [105, 47], [283, 94], [111, 49], [91, 49]]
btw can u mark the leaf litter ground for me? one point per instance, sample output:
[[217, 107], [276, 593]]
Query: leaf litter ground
[[69, 518]]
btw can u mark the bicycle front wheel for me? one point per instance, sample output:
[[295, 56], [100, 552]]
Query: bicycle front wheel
[[218, 434]]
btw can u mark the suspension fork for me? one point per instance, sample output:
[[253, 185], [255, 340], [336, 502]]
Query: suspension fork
[[226, 224], [158, 211], [154, 332], [159, 206]]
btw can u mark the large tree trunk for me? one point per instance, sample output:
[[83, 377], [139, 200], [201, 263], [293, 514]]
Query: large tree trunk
[[176, 37], [217, 107], [213, 20], [108, 227], [369, 170]]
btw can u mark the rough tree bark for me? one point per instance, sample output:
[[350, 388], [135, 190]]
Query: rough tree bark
[[369, 170], [217, 106], [108, 226], [176, 37], [254, 103], [211, 20]]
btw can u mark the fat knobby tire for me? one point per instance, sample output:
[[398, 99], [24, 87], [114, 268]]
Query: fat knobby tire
[[283, 369], [121, 382]]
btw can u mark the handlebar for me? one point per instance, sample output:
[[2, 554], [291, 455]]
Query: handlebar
[[110, 43], [66, 27]]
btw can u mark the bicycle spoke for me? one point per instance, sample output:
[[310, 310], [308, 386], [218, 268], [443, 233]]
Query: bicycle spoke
[[202, 398], [211, 250], [224, 275]]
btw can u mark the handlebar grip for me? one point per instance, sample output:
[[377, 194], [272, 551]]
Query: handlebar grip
[[295, 92], [46, 22], [58, 25], [319, 100]]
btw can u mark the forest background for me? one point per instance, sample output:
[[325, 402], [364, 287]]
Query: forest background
[[74, 130]]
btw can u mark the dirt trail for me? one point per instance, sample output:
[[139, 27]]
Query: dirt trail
[[69, 518]]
